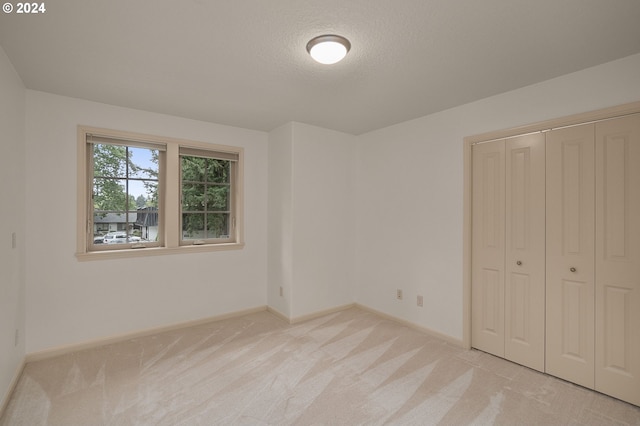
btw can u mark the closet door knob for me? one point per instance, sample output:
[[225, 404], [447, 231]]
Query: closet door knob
[[572, 269], [518, 263]]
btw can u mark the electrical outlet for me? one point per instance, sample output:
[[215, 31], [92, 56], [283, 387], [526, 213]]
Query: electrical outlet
[[16, 338], [399, 294], [281, 292], [420, 301]]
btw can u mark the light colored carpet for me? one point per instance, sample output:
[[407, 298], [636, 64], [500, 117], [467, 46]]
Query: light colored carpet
[[346, 368]]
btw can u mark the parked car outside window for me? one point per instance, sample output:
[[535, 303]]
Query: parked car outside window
[[116, 238]]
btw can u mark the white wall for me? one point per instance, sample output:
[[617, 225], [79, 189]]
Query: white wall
[[311, 205], [280, 219], [323, 219], [70, 302], [410, 190], [12, 220]]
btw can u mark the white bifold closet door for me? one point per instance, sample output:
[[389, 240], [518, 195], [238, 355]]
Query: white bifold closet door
[[508, 243], [593, 256], [555, 253], [570, 254], [617, 264], [487, 248]]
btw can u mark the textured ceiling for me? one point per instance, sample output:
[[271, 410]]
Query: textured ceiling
[[244, 63]]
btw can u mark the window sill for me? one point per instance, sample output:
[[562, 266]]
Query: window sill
[[156, 251]]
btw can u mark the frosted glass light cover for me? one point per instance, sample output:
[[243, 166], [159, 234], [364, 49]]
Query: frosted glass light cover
[[328, 49]]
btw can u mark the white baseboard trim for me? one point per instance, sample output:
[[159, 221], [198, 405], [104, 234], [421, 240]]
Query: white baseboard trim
[[7, 395], [318, 314], [62, 350], [278, 314], [307, 317], [413, 325], [417, 327]]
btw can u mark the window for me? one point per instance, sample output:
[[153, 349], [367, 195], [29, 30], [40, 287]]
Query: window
[[124, 177], [143, 195], [207, 212]]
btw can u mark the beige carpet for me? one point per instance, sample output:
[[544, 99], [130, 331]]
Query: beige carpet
[[347, 368]]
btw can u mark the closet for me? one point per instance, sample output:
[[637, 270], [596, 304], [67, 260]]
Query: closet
[[555, 252]]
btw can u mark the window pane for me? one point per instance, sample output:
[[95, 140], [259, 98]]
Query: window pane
[[200, 226], [114, 228], [193, 197], [218, 225], [146, 225], [109, 160], [193, 226], [217, 198], [142, 193], [193, 169], [218, 170], [109, 194], [117, 227], [143, 163]]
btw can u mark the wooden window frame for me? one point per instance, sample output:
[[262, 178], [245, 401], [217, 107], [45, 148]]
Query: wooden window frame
[[169, 197]]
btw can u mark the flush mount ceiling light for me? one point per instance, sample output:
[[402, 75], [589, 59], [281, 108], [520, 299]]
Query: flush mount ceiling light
[[328, 49]]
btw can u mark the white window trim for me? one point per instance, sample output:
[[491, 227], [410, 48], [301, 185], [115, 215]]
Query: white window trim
[[170, 197]]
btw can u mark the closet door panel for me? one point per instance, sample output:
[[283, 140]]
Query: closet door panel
[[618, 258], [525, 251], [570, 254], [487, 264]]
